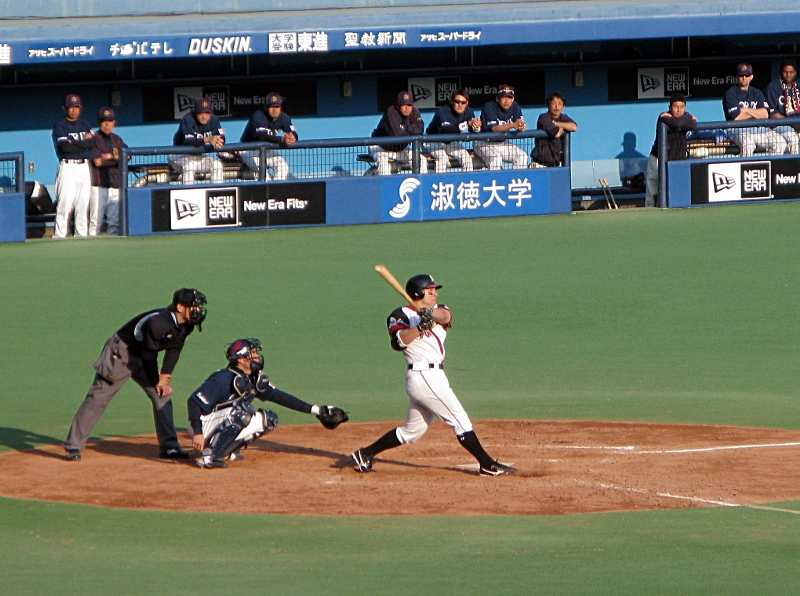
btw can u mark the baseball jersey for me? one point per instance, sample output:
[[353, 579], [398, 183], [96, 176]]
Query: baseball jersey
[[676, 135], [394, 124], [446, 121], [191, 132], [429, 348], [218, 389], [493, 115], [106, 176], [152, 332], [550, 151], [261, 127], [779, 96], [69, 139], [735, 99]]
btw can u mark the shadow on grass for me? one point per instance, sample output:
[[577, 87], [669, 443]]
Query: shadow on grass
[[22, 440]]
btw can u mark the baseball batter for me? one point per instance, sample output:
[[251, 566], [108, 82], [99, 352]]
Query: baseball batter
[[73, 140], [744, 102], [199, 128], [269, 125], [502, 115], [104, 198], [132, 352], [222, 418], [419, 332]]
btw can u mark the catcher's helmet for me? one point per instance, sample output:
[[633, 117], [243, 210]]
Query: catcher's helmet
[[244, 348], [415, 287]]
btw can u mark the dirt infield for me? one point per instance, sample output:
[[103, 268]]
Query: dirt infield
[[564, 467]]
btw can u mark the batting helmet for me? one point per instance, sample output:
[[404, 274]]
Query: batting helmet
[[244, 348], [415, 287]]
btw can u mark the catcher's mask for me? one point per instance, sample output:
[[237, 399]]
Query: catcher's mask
[[246, 348], [194, 299], [415, 287]]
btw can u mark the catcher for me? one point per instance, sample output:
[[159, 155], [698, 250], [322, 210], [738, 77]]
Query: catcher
[[222, 418]]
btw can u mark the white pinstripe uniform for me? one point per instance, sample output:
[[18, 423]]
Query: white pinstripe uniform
[[427, 385]]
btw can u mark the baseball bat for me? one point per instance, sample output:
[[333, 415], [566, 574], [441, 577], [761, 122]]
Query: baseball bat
[[392, 281]]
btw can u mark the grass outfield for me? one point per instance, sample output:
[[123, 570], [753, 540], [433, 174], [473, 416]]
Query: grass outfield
[[665, 316]]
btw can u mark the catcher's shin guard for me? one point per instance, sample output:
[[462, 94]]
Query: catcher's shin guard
[[224, 442], [263, 422]]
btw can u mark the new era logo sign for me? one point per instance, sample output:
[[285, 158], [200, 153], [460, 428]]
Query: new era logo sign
[[185, 102], [722, 182], [185, 209], [648, 82], [738, 181], [420, 92]]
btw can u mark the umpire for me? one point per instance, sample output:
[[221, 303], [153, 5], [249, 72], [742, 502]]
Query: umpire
[[132, 352]]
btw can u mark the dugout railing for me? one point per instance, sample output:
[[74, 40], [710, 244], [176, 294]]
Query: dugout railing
[[12, 197], [721, 141]]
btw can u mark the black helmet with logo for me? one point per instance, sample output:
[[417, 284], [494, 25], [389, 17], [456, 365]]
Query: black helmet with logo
[[415, 287]]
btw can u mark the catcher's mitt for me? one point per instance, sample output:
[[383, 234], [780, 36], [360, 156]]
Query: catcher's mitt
[[330, 416], [426, 319]]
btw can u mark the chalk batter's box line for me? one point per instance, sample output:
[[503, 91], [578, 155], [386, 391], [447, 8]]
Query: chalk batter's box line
[[699, 499]]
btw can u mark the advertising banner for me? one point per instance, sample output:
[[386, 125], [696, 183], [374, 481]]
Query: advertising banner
[[460, 196], [745, 181], [246, 206]]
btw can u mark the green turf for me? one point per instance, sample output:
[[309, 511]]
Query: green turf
[[677, 316], [70, 549]]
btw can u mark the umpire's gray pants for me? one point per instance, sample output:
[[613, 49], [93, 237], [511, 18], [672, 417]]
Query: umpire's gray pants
[[114, 367]]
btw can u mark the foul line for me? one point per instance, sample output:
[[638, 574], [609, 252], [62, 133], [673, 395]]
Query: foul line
[[703, 449], [700, 500], [632, 448]]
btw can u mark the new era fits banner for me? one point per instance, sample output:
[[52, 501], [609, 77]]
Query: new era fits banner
[[247, 206]]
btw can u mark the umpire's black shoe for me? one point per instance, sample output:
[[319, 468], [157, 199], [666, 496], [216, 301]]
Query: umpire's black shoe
[[173, 454], [497, 469], [73, 455]]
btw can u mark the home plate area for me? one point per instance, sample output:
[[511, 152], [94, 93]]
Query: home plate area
[[563, 467]]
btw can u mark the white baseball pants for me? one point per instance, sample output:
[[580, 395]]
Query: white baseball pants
[[73, 185]]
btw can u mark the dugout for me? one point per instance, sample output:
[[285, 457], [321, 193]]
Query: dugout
[[339, 63]]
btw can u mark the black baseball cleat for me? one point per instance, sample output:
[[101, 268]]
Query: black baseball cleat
[[173, 454], [496, 469], [362, 462], [73, 455]]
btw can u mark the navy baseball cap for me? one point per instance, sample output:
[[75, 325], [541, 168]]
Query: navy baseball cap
[[273, 99], [72, 100], [404, 98], [744, 69], [202, 106], [505, 91], [106, 114]]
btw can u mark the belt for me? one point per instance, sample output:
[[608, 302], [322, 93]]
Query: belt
[[424, 366], [74, 160]]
